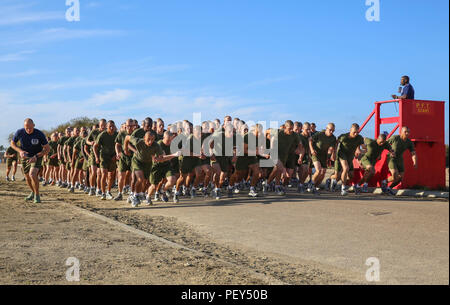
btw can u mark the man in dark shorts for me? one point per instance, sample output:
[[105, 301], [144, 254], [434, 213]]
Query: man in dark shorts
[[320, 144], [124, 160], [61, 158], [348, 145], [52, 160], [247, 159], [70, 162], [147, 151], [304, 159], [287, 143], [399, 143], [33, 146], [374, 148], [95, 173], [11, 162], [162, 171], [191, 148], [105, 156], [221, 152]]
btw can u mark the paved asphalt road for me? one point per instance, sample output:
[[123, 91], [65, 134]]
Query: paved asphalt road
[[409, 237]]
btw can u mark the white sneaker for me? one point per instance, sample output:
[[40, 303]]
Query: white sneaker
[[109, 196], [252, 192], [135, 201]]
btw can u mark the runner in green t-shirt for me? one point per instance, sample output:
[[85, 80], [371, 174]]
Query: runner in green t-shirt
[[285, 141], [105, 156], [124, 159], [52, 161], [147, 152], [304, 159], [320, 144], [63, 182], [247, 160], [68, 152], [222, 151], [139, 132], [374, 148], [95, 174], [11, 162], [399, 143], [162, 172], [348, 146]]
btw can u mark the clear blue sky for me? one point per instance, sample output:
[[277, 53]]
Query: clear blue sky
[[266, 60]]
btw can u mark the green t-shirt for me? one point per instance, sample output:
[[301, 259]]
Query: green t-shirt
[[347, 145], [166, 151], [321, 143], [106, 144], [120, 139], [63, 140], [140, 133], [305, 142], [286, 143], [374, 150], [145, 153], [79, 146], [71, 143], [295, 142], [53, 148], [399, 146], [92, 137]]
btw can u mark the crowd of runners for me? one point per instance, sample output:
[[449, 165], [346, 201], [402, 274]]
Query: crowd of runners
[[150, 161]]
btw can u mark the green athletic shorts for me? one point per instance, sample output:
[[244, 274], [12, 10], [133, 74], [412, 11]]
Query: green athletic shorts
[[206, 161], [53, 162], [159, 173], [321, 158], [224, 163], [79, 164], [243, 163], [188, 164], [365, 162], [9, 161], [28, 166], [91, 161], [108, 163], [394, 163], [137, 165], [338, 165], [125, 164], [292, 161]]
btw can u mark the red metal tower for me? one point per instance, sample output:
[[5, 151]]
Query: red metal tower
[[426, 122]]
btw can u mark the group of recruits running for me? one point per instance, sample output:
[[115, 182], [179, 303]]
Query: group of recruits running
[[143, 159]]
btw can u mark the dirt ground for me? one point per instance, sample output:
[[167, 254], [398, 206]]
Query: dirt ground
[[37, 239]]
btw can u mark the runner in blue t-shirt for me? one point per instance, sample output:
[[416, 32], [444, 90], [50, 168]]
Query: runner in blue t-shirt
[[33, 146]]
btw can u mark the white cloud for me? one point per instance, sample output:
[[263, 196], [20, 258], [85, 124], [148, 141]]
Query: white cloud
[[269, 81], [114, 96], [20, 74], [84, 83], [18, 56], [20, 18], [59, 34]]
